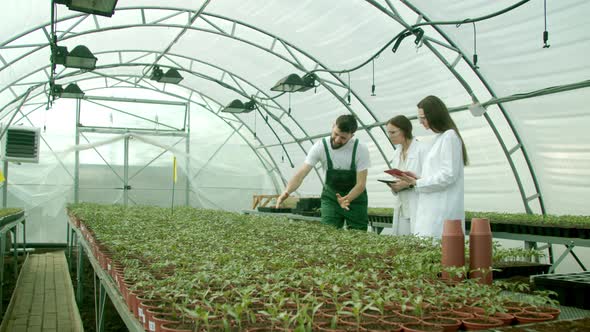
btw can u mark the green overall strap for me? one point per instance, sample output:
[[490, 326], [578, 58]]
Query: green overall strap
[[353, 163], [330, 166]]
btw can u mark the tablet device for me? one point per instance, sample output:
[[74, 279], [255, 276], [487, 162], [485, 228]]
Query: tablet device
[[397, 172], [387, 181]]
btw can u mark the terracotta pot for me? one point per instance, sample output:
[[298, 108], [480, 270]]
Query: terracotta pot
[[506, 318], [163, 318], [477, 323], [327, 326], [460, 315], [142, 310], [532, 317], [381, 326], [448, 324], [544, 309], [472, 310], [165, 314], [400, 319], [513, 310], [480, 250], [453, 247], [177, 327], [421, 327]]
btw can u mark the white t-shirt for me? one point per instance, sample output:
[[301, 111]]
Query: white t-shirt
[[341, 157]]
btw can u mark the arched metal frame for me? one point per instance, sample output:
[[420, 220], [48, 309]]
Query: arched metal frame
[[262, 159], [297, 64], [507, 153]]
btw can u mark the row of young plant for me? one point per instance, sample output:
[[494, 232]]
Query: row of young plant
[[9, 211], [10, 214], [515, 218], [216, 268]]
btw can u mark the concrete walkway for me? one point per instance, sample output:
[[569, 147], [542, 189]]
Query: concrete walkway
[[43, 299]]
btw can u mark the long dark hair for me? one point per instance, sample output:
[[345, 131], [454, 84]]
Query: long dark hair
[[403, 124], [439, 119]]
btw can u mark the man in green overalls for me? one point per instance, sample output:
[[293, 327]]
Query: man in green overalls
[[346, 162]]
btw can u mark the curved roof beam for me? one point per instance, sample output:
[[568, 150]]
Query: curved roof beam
[[207, 107], [296, 63], [238, 90], [428, 42]]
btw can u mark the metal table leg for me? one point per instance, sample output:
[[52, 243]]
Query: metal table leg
[[15, 255], [80, 270], [2, 241]]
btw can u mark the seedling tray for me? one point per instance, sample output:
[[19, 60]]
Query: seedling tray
[[274, 210], [572, 288]]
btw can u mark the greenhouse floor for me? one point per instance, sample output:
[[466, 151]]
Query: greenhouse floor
[[43, 299]]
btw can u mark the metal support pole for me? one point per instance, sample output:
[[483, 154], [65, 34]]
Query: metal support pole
[[24, 235], [5, 187], [2, 241], [561, 257], [15, 255], [126, 173], [187, 165], [77, 155], [73, 242], [101, 302], [79, 271], [68, 246], [577, 259]]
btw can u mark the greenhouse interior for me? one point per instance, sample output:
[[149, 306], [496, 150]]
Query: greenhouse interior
[[376, 165]]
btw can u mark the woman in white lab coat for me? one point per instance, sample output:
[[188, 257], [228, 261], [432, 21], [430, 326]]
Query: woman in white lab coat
[[440, 187], [408, 156]]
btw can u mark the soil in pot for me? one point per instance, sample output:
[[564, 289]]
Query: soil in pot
[[448, 324], [479, 323], [532, 317], [421, 327]]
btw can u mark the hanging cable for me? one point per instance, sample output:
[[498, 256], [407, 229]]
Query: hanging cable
[[289, 111], [45, 121], [348, 95], [545, 33], [373, 86], [475, 47], [413, 29], [255, 124]]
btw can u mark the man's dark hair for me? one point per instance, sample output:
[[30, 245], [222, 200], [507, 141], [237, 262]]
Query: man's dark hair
[[347, 123]]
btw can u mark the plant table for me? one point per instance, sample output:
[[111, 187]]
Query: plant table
[[107, 285], [9, 224]]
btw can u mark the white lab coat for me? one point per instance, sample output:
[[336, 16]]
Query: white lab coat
[[414, 160], [441, 188]]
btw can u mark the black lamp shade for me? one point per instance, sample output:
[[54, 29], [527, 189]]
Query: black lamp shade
[[171, 76], [72, 91], [59, 54], [157, 74], [80, 57], [237, 106], [97, 7], [56, 90], [291, 83], [308, 82]]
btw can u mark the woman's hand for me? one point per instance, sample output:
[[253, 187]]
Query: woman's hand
[[398, 186], [408, 179]]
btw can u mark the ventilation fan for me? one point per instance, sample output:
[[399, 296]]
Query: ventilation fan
[[21, 144]]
